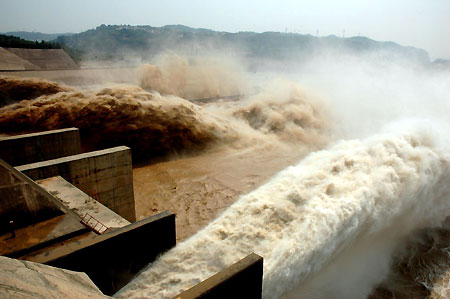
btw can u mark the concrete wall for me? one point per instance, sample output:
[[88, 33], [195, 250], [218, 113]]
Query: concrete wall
[[46, 59], [41, 235], [111, 260], [12, 62], [22, 279], [240, 280], [82, 204], [36, 147], [105, 175], [22, 201]]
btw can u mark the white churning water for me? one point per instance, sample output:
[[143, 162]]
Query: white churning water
[[326, 226]]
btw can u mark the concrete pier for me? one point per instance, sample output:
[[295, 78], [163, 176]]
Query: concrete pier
[[36, 147], [40, 235], [105, 175], [81, 203], [23, 201], [243, 279], [112, 259], [45, 201]]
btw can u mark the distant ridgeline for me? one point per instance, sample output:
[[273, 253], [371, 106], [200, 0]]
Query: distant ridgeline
[[36, 36], [10, 41], [125, 41]]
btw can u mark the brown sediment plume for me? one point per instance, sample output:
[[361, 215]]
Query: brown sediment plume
[[192, 78], [292, 116], [198, 192], [152, 125], [14, 89]]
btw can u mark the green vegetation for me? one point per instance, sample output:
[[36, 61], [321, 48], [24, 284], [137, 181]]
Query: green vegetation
[[33, 36], [119, 42], [9, 41]]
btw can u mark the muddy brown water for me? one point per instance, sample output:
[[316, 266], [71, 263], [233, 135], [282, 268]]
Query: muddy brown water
[[198, 188]]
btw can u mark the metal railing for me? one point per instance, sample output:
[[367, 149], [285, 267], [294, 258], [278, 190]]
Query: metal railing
[[94, 224]]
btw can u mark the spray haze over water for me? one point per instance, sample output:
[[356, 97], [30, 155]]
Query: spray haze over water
[[195, 77], [334, 201], [347, 209], [384, 172], [156, 120]]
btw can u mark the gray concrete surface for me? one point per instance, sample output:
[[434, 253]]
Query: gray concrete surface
[[45, 59], [22, 279], [41, 146], [82, 204], [112, 259], [12, 62], [243, 279], [33, 237], [23, 201], [105, 175]]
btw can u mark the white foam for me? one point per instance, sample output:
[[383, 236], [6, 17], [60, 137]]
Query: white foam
[[325, 226]]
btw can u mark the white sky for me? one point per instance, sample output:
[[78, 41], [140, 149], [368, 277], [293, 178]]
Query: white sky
[[420, 23]]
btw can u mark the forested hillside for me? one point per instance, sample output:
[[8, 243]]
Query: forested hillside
[[120, 41]]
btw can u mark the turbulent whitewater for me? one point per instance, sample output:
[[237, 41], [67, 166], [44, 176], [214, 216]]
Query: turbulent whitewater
[[14, 89], [313, 215], [329, 227], [154, 125]]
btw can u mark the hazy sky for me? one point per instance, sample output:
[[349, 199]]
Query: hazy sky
[[420, 23]]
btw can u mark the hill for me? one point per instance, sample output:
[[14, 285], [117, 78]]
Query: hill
[[36, 36], [10, 41], [121, 41]]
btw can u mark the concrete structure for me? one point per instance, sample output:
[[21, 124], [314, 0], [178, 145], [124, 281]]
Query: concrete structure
[[12, 62], [82, 204], [45, 59], [240, 280], [60, 239], [36, 147], [47, 215], [112, 259], [23, 201], [105, 175], [40, 235], [50, 227], [22, 279]]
